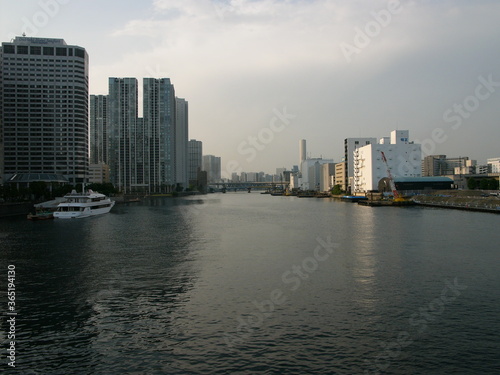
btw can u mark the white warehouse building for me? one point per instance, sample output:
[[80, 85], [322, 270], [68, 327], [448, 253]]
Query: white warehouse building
[[403, 160]]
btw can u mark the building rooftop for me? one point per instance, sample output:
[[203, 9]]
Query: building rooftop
[[31, 40], [423, 179]]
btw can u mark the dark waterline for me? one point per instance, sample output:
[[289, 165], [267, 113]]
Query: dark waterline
[[246, 283]]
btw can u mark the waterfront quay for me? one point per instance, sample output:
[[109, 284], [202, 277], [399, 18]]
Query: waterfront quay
[[471, 200], [463, 200]]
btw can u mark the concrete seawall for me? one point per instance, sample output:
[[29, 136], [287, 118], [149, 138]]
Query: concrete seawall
[[15, 209], [469, 203]]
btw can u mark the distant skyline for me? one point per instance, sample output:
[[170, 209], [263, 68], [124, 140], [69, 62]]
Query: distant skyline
[[261, 75]]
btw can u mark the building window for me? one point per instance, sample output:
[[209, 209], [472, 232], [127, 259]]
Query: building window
[[22, 50], [9, 48], [35, 50], [48, 51], [79, 52], [61, 51]]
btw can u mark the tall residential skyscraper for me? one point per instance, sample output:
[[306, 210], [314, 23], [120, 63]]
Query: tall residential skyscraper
[[181, 142], [124, 152], [159, 126], [147, 154], [98, 129], [195, 160], [44, 101], [212, 165]]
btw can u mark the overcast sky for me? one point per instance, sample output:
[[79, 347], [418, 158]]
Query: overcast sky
[[260, 75]]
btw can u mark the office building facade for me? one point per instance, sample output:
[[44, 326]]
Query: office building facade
[[493, 165], [181, 142], [98, 129], [195, 160], [98, 173], [351, 145], [145, 154], [434, 165], [124, 138], [159, 126], [327, 177], [311, 173], [340, 175], [44, 99], [212, 165], [440, 165]]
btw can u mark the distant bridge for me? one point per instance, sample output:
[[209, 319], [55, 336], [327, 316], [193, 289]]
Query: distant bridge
[[235, 186]]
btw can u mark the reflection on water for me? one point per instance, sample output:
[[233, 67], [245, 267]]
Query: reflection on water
[[157, 287], [364, 267]]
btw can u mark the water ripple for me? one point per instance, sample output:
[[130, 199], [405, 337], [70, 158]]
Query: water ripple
[[153, 288]]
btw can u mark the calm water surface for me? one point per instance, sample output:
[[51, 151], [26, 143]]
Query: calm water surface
[[243, 283]]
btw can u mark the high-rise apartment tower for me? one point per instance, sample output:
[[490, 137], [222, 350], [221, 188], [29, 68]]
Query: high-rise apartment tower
[[181, 142], [98, 129], [44, 99]]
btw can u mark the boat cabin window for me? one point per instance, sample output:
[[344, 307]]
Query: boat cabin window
[[69, 209], [76, 200]]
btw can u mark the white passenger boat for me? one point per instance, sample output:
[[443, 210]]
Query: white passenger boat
[[78, 205]]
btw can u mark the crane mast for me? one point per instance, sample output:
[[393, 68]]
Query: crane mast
[[397, 196]]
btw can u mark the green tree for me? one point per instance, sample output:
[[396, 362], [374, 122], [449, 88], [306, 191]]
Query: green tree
[[24, 194], [471, 183], [10, 193], [484, 184], [337, 190], [493, 184], [38, 189]]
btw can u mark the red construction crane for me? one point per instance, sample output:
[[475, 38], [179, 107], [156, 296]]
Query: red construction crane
[[397, 196]]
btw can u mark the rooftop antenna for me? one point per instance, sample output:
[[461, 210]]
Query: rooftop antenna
[[24, 34]]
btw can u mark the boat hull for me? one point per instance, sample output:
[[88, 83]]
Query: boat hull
[[41, 216], [353, 198], [86, 212]]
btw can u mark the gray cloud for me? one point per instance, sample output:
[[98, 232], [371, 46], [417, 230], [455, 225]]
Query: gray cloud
[[235, 61]]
